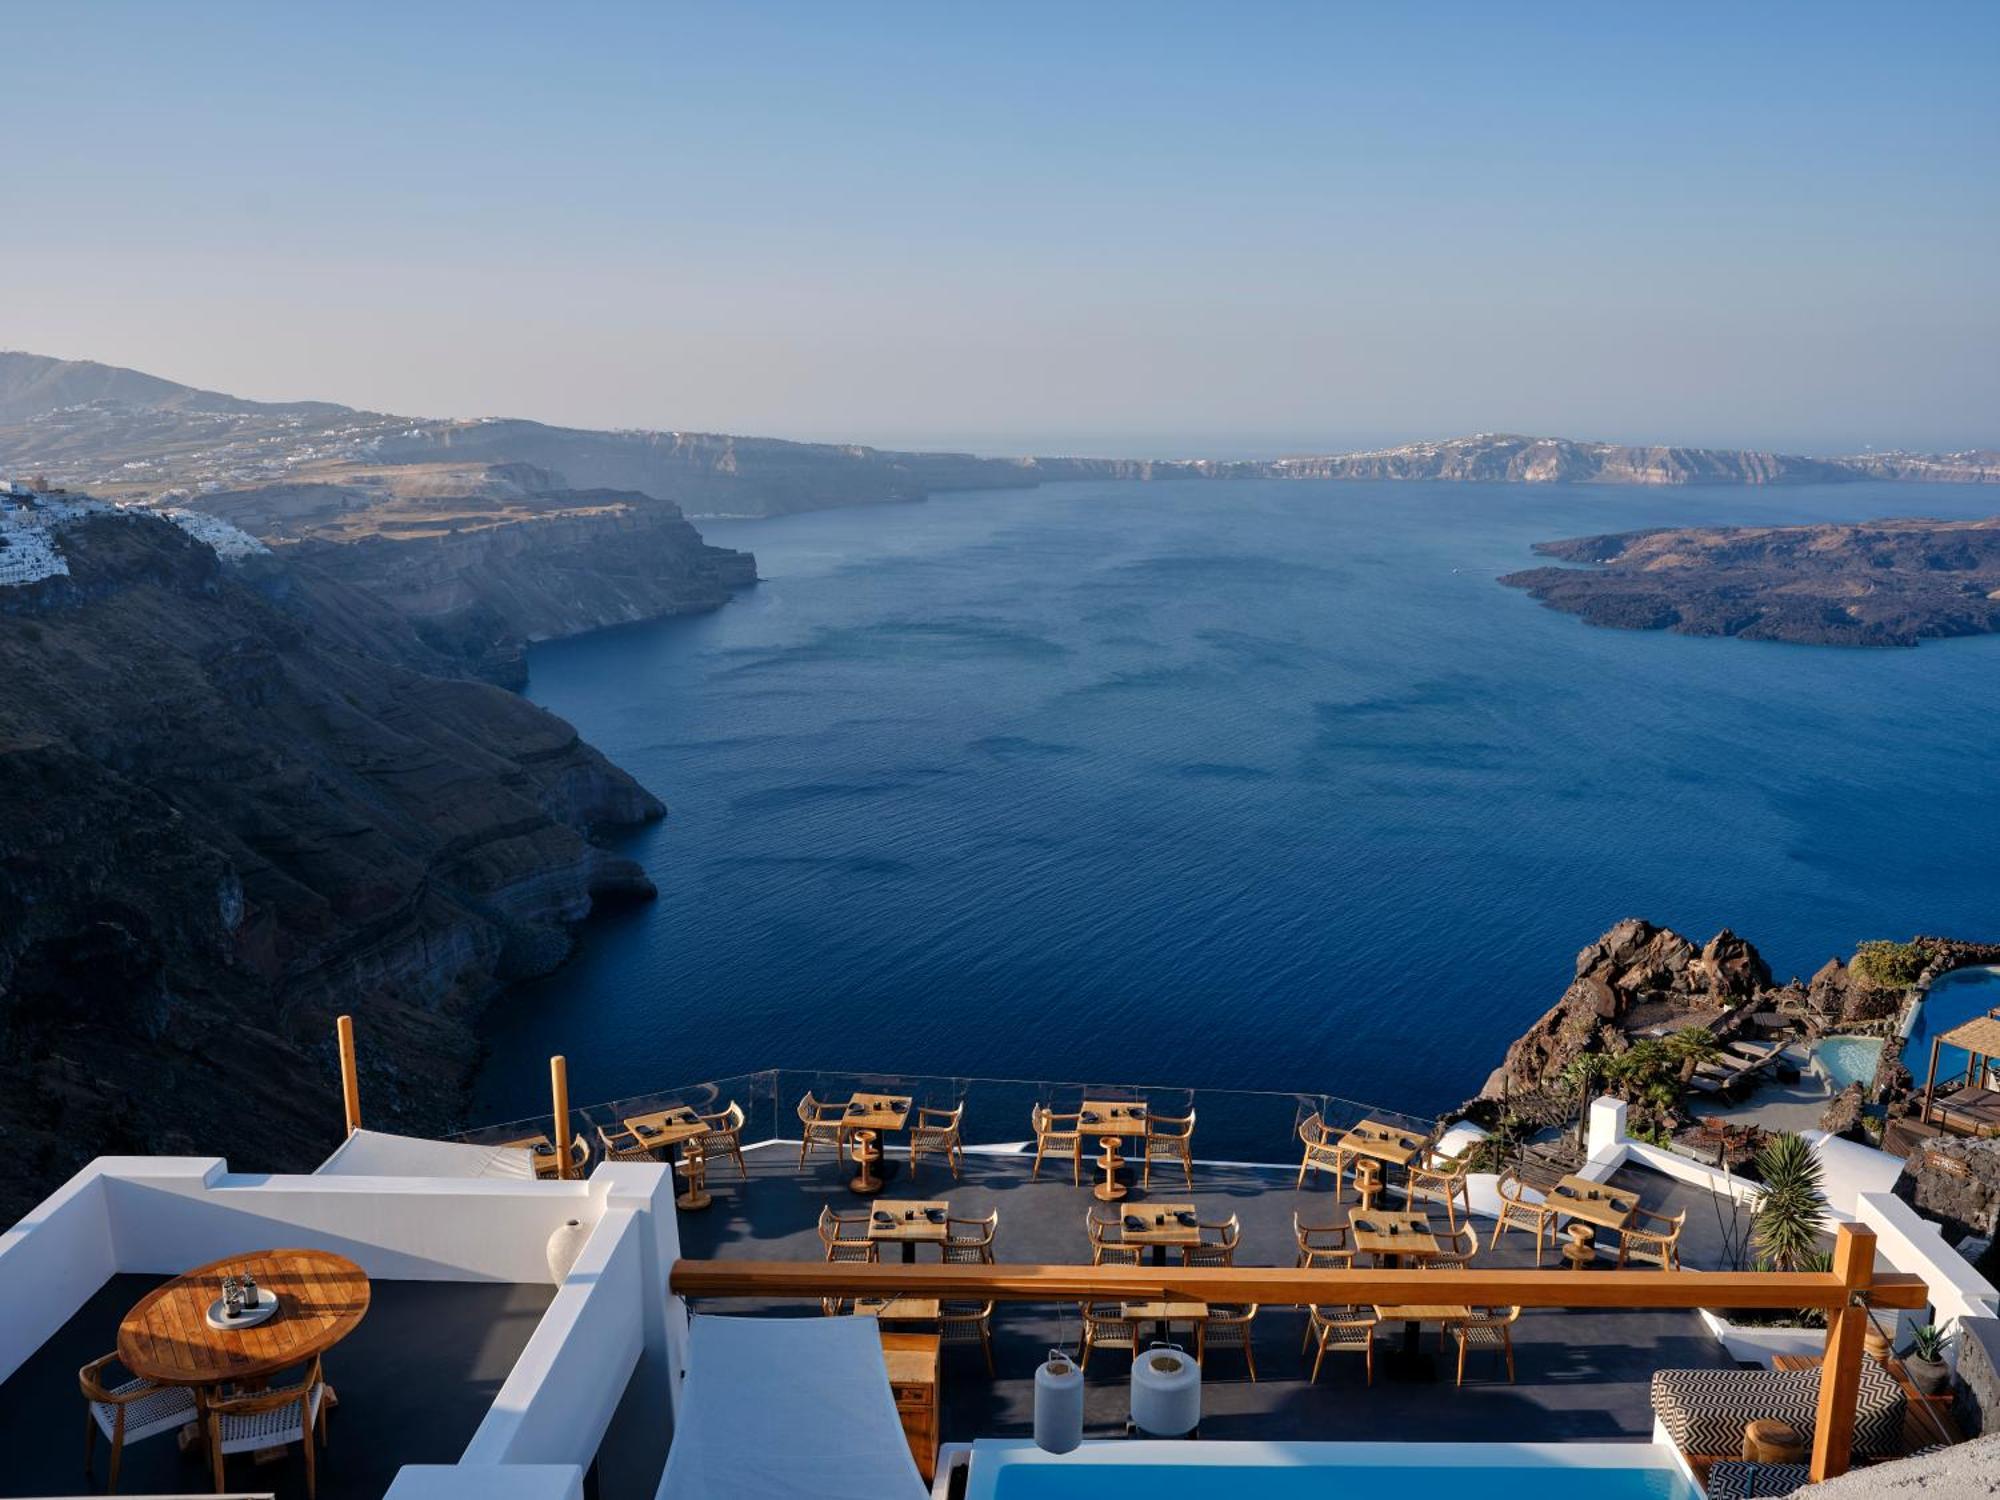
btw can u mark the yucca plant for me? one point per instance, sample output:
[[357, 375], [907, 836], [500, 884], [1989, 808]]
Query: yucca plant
[[1791, 1215]]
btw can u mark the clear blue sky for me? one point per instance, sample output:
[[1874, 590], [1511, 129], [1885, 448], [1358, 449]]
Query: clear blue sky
[[1146, 228]]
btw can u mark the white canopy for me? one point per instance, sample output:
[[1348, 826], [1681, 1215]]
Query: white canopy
[[372, 1153], [779, 1408]]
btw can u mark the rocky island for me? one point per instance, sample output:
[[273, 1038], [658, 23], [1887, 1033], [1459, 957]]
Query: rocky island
[[1879, 583]]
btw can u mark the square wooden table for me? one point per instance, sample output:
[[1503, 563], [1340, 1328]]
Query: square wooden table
[[541, 1154], [1413, 1316], [1166, 1314], [897, 1309], [1412, 1236], [665, 1128], [1162, 1227], [1385, 1143], [1579, 1198], [1119, 1117], [910, 1224]]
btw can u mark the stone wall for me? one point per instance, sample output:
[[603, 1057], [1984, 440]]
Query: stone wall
[[1977, 1383]]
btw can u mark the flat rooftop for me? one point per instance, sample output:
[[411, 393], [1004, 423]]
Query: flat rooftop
[[1581, 1375], [414, 1380]]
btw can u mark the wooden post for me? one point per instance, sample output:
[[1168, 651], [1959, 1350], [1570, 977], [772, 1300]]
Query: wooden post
[[1840, 1370], [350, 1077], [559, 1084], [1930, 1078]]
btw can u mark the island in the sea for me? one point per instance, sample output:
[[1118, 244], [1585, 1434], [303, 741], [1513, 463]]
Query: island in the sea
[[1876, 583]]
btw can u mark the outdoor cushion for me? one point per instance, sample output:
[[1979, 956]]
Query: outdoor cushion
[[1728, 1480], [1704, 1411]]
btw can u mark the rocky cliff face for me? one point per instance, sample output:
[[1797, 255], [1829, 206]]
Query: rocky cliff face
[[234, 802]]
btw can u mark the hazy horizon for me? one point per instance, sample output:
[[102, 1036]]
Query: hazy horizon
[[1145, 231]]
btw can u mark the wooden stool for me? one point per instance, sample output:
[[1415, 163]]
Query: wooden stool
[[1769, 1441], [866, 1155], [694, 1168], [1581, 1251], [1367, 1183], [1111, 1189]]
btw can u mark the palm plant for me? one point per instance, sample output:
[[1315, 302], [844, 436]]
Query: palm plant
[[1791, 1215], [1582, 1073], [1690, 1047]]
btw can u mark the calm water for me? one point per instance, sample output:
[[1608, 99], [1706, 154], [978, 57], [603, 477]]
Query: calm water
[[1952, 1001], [1247, 785]]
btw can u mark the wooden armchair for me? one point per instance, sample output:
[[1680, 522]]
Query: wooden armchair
[[128, 1412], [620, 1144], [845, 1237], [1217, 1246], [724, 1137], [1105, 1326], [1170, 1138], [819, 1125], [1319, 1139], [1660, 1247], [1442, 1179], [1464, 1245], [1323, 1247], [1106, 1247], [936, 1133], [273, 1418], [1058, 1135], [1495, 1330], [965, 1323], [1343, 1328], [969, 1242], [1226, 1327], [1519, 1211]]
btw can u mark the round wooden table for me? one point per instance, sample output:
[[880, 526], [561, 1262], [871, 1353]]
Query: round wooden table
[[321, 1297], [694, 1168], [1111, 1189], [865, 1156]]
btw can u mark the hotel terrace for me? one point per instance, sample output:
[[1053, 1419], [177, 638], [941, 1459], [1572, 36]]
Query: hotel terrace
[[864, 1285]]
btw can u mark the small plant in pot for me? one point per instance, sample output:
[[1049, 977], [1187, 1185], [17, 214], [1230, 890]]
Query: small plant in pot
[[1925, 1362]]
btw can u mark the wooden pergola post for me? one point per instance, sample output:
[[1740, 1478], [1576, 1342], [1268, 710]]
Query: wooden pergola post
[[1930, 1078], [1840, 1371], [350, 1076], [559, 1086]]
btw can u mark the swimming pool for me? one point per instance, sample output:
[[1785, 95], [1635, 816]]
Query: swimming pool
[[1017, 1470], [1952, 999], [1848, 1059]]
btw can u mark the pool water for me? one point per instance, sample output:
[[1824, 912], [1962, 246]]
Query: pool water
[[1212, 1482], [1951, 1001], [1848, 1059]]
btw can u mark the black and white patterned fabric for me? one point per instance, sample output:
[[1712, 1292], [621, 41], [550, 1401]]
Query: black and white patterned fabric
[[1729, 1480], [1704, 1411]]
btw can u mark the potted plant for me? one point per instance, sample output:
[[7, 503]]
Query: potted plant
[[1924, 1364], [1791, 1214]]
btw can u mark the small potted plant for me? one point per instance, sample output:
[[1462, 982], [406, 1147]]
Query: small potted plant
[[1925, 1362]]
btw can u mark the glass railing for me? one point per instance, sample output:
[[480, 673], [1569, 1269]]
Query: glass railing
[[1241, 1125]]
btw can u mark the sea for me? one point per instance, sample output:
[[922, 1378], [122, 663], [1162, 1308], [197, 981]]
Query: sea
[[1246, 785]]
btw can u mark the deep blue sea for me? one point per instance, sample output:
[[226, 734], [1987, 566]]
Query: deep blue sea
[[1252, 784]]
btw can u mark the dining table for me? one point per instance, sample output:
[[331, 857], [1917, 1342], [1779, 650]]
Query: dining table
[[870, 1117], [1595, 1203], [1160, 1225], [1111, 1121], [909, 1223]]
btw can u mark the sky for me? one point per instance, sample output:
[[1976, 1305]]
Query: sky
[[1096, 228]]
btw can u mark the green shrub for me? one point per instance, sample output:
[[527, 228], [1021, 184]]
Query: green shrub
[[1891, 965]]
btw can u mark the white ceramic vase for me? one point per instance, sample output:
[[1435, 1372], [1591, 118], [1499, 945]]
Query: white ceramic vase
[[565, 1245]]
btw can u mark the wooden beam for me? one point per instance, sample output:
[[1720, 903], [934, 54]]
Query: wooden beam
[[559, 1087], [350, 1077], [1930, 1078], [1840, 1369], [1275, 1286]]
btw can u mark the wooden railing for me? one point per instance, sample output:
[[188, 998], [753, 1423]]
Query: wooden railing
[[1845, 1293]]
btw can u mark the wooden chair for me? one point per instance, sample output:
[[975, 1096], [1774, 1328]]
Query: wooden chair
[[1058, 1135], [274, 1418], [1106, 1249], [845, 1237], [1518, 1211], [1442, 1179], [1217, 1246], [1660, 1247], [129, 1412], [724, 1137], [1169, 1138], [969, 1242], [1106, 1327], [935, 1133], [1493, 1331], [1323, 1246], [1344, 1328], [819, 1125], [1464, 1245], [1320, 1151], [1227, 1327], [966, 1323], [620, 1144]]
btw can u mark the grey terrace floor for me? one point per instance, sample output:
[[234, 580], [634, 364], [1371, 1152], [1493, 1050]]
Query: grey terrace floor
[[1582, 1376], [414, 1380]]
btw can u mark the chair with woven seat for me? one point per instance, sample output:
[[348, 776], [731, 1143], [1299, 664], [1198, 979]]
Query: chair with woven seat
[[1493, 1330], [275, 1418], [1105, 1326], [819, 1125], [1169, 1138], [1519, 1211], [1217, 1246], [1322, 1246], [1441, 1179], [845, 1237], [1226, 1327], [969, 1242], [1660, 1247], [968, 1323], [621, 1144], [935, 1132], [1058, 1135], [1106, 1248], [724, 1137], [1457, 1254], [128, 1412], [1343, 1328], [1320, 1149]]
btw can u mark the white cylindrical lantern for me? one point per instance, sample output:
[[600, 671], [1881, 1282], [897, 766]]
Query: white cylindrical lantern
[[1058, 1403], [1166, 1392]]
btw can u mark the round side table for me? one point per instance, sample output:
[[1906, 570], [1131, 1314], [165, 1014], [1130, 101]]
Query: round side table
[[866, 1154], [1769, 1441], [1581, 1251], [694, 1171], [1111, 1189], [1367, 1184]]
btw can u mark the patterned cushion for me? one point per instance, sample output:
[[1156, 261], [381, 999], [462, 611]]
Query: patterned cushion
[[1704, 1411], [1729, 1480]]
